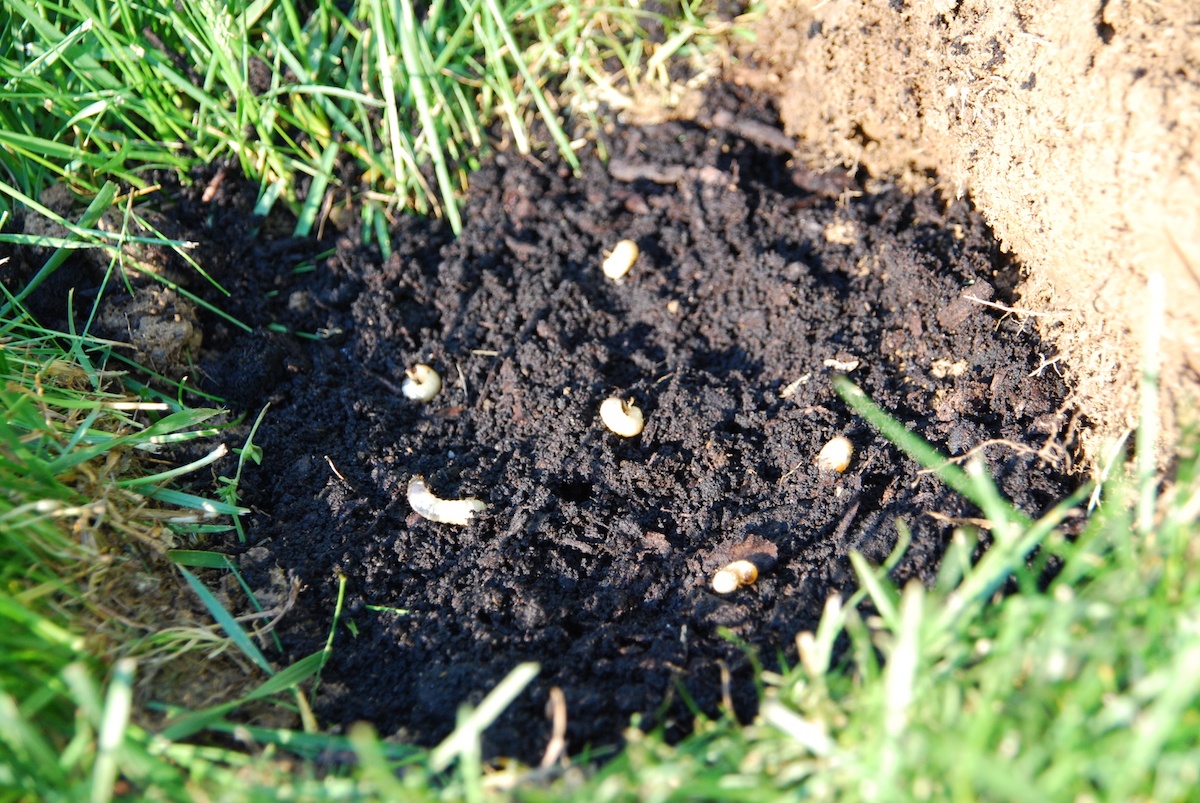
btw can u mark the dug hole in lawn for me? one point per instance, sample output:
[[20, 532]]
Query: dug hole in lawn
[[597, 551], [763, 267]]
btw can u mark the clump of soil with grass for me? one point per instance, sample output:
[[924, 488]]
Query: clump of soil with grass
[[755, 282]]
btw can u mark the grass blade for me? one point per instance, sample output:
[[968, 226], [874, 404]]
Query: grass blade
[[228, 623], [98, 206], [466, 736], [916, 448], [418, 86], [899, 679], [117, 706], [1147, 432], [195, 721]]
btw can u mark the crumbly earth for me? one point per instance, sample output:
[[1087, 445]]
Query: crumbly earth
[[756, 281], [1074, 125]]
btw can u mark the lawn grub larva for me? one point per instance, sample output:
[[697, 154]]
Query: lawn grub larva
[[421, 383], [734, 576], [443, 511], [622, 417], [835, 455], [618, 262]]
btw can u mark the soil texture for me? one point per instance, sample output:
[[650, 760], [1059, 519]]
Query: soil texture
[[1074, 126], [756, 281]]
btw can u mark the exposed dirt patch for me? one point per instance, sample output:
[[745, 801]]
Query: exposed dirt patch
[[1074, 124], [595, 554]]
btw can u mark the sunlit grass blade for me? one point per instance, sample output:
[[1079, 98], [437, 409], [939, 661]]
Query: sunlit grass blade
[[170, 474], [475, 721], [285, 680], [230, 625], [1147, 432], [899, 681], [549, 118], [314, 745], [885, 599], [316, 193], [979, 490], [334, 621], [117, 707], [374, 761], [203, 506], [166, 426], [95, 209], [109, 93], [1005, 558], [418, 86], [199, 558]]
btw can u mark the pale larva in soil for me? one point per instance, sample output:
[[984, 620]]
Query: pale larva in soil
[[421, 383], [734, 576], [443, 511], [618, 261], [835, 455], [622, 417]]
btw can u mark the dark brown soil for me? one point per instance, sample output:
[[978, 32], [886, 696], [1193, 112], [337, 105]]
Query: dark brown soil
[[595, 553]]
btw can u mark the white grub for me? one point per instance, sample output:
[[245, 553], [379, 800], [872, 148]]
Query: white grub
[[835, 455], [842, 366], [622, 417], [443, 511], [943, 367], [618, 261], [734, 576], [421, 383], [792, 387]]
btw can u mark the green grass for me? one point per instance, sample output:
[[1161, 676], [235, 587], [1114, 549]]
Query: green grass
[[1083, 687], [71, 517], [97, 91]]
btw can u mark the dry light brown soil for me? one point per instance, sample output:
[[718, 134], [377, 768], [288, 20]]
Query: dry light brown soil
[[1073, 124], [595, 553]]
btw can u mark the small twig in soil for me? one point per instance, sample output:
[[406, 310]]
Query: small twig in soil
[[1047, 363], [726, 687], [214, 184], [847, 519], [629, 172], [462, 379], [275, 614], [1050, 452], [1019, 448], [983, 524], [389, 384], [758, 133], [557, 709], [1008, 309], [337, 473], [1187, 263]]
